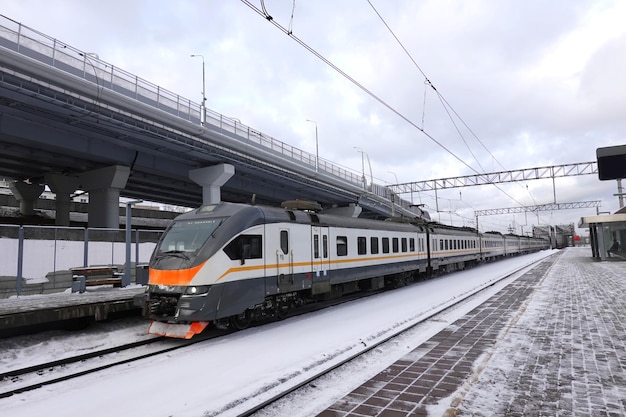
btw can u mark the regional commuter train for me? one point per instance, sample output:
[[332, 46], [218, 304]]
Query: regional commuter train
[[232, 264]]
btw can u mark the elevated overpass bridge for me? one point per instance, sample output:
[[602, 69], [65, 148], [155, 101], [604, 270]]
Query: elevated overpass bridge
[[76, 123]]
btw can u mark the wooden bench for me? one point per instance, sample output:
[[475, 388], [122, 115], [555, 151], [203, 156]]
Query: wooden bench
[[95, 275]]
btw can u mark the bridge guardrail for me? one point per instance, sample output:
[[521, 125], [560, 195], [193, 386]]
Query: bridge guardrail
[[90, 67], [39, 259]]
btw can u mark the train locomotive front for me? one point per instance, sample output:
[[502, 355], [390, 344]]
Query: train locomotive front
[[233, 264], [204, 269]]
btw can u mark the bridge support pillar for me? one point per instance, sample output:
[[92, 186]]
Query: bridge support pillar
[[26, 194], [211, 179], [63, 186], [104, 187]]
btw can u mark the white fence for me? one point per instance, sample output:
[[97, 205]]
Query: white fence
[[38, 259]]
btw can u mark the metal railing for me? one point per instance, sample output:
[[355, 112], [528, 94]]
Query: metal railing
[[39, 259], [90, 67]]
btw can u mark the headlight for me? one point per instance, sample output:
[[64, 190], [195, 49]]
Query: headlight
[[197, 290]]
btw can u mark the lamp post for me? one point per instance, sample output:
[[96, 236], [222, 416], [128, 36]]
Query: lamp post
[[126, 277], [364, 154], [203, 105], [317, 149]]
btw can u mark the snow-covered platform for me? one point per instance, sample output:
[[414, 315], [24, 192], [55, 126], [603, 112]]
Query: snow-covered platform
[[551, 343], [97, 303]]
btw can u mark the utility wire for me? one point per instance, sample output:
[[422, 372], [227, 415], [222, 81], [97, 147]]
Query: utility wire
[[355, 82], [446, 106], [265, 14]]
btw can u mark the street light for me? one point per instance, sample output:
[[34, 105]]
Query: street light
[[317, 149], [363, 153], [203, 105], [394, 174]]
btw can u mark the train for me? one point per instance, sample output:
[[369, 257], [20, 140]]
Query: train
[[231, 264]]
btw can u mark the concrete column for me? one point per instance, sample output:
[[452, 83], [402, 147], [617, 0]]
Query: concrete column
[[103, 186], [63, 186], [211, 179], [26, 194]]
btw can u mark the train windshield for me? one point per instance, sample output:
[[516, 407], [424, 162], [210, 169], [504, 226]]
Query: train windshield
[[188, 235]]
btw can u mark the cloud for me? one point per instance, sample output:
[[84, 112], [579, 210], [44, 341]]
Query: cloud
[[518, 84]]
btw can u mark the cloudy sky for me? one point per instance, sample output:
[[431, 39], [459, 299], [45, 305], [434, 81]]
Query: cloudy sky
[[517, 84]]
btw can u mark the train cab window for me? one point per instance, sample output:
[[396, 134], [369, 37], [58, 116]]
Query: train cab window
[[325, 246], [385, 245], [374, 245], [284, 241], [403, 242], [316, 246], [342, 246], [395, 245], [361, 244], [188, 235], [411, 244], [245, 247]]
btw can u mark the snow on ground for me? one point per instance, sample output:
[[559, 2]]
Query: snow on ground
[[564, 354], [203, 379]]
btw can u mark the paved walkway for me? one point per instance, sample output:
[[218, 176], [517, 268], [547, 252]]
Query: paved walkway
[[553, 343]]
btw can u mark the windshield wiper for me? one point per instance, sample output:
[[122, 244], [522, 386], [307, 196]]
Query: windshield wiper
[[174, 253]]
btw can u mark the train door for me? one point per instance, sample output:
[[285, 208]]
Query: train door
[[320, 259], [284, 258]]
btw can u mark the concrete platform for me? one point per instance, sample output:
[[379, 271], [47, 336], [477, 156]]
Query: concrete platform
[[553, 343], [96, 303]]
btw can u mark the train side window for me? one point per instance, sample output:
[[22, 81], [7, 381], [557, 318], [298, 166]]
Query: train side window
[[284, 241], [441, 247], [446, 244], [361, 244], [395, 244], [411, 244], [245, 247], [342, 246], [403, 244], [385, 245], [325, 246], [316, 246], [374, 245]]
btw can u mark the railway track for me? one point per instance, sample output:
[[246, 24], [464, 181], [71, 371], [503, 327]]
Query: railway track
[[437, 319], [36, 376], [260, 399]]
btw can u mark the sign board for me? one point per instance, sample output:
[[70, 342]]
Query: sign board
[[611, 162]]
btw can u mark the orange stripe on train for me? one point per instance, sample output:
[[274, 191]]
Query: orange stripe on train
[[173, 276]]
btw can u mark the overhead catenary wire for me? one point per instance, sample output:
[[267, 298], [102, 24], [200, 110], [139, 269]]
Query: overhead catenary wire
[[447, 106], [288, 31], [269, 18]]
